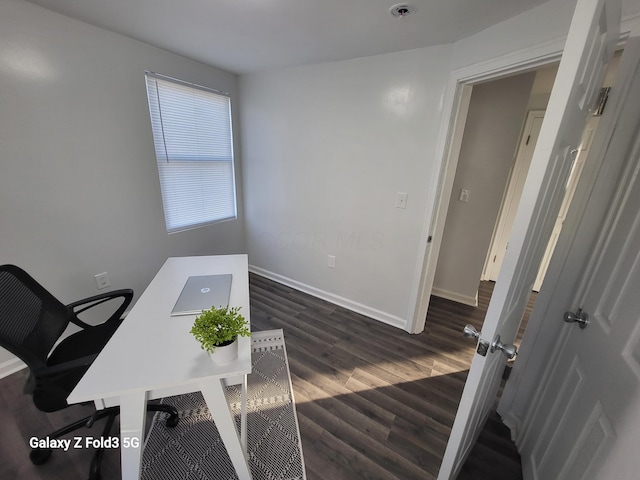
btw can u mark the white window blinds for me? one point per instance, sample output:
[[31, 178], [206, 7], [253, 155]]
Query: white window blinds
[[194, 151]]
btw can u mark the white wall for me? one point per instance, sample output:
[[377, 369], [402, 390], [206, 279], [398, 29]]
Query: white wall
[[325, 150], [79, 191], [545, 23], [542, 85], [494, 124], [327, 147]]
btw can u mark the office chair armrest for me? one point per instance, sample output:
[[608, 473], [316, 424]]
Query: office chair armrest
[[90, 302]]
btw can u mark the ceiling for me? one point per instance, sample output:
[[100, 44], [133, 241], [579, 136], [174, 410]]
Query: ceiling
[[244, 36]]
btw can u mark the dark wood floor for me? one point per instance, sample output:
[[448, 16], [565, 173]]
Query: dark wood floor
[[373, 402]]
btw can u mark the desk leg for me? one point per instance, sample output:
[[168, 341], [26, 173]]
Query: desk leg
[[133, 410], [213, 393], [243, 414]]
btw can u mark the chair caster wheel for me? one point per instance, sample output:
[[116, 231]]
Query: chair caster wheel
[[172, 421], [38, 456]]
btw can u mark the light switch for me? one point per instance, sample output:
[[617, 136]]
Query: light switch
[[464, 195], [401, 200]]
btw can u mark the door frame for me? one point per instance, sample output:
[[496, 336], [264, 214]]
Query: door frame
[[456, 105]]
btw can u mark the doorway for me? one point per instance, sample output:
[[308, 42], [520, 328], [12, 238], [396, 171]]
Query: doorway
[[499, 242], [484, 199], [485, 166]]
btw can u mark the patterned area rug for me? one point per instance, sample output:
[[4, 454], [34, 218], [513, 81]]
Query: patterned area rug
[[194, 450]]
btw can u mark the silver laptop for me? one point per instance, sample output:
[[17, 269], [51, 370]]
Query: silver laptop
[[203, 292]]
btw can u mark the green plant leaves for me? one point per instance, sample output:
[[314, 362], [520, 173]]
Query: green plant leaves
[[218, 326]]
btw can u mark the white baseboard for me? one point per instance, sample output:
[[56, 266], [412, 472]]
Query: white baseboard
[[332, 298], [455, 297], [11, 366]]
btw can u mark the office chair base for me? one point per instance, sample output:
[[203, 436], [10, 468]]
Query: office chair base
[[172, 422], [172, 419], [38, 456]]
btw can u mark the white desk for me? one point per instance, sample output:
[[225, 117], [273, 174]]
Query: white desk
[[153, 355]]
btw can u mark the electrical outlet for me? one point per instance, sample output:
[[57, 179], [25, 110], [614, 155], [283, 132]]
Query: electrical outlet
[[331, 262], [102, 280], [401, 200], [464, 195]]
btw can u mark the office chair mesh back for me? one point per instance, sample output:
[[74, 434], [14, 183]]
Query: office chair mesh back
[[31, 319]]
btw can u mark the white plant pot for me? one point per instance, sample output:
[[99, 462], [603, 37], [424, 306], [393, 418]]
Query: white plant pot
[[225, 354]]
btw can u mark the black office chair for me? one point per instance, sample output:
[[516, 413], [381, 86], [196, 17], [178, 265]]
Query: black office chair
[[31, 322]]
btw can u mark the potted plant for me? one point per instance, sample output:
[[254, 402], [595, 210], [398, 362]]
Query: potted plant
[[217, 330]]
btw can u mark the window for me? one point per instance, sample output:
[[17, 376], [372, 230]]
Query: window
[[194, 151]]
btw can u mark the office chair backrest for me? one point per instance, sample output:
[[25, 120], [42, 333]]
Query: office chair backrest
[[31, 319]]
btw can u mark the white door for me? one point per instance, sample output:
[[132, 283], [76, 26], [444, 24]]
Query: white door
[[512, 197], [592, 38], [585, 422]]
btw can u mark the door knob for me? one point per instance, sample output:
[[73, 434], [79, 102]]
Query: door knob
[[483, 345], [507, 349], [470, 331], [580, 317]]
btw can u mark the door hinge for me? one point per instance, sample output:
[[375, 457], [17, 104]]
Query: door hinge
[[528, 138], [601, 101]]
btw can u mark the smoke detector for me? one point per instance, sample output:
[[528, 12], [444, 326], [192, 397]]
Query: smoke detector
[[402, 10]]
